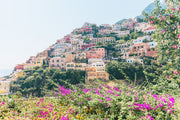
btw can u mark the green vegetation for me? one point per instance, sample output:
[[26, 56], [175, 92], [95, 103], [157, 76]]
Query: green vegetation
[[40, 82]]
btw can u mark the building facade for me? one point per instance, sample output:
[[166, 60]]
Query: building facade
[[95, 53]]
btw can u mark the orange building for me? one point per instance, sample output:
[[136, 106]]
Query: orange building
[[60, 62], [95, 53], [96, 73], [139, 49]]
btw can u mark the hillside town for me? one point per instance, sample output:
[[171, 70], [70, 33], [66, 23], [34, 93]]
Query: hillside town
[[90, 48]]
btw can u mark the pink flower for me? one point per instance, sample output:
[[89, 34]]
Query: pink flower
[[163, 31], [179, 36], [151, 16], [173, 9], [109, 99], [152, 22], [65, 118], [86, 90], [171, 15], [176, 72], [169, 77], [100, 101], [163, 18], [175, 46], [179, 8], [2, 103]]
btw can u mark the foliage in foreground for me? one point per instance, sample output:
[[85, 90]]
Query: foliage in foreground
[[39, 82], [115, 102]]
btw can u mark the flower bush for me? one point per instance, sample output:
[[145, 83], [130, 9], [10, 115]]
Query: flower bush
[[167, 23], [93, 102]]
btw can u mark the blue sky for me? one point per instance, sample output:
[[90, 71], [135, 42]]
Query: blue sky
[[30, 26]]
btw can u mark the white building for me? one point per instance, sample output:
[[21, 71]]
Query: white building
[[103, 40], [118, 27], [89, 35], [90, 61], [61, 48], [141, 39], [141, 26], [106, 26], [122, 33]]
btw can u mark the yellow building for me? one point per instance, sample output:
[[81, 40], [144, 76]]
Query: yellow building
[[38, 61], [4, 87], [29, 66], [96, 73], [33, 63], [80, 66], [18, 74], [75, 66]]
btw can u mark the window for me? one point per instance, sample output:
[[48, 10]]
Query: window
[[53, 61], [61, 60], [141, 46], [57, 60]]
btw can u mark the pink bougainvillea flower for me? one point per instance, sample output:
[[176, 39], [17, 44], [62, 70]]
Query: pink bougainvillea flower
[[109, 99], [169, 77], [163, 17], [64, 91], [173, 9], [175, 46], [2, 103], [152, 22], [151, 16], [171, 15], [163, 31], [65, 118], [176, 72], [179, 36]]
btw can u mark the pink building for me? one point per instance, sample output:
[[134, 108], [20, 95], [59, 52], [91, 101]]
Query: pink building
[[85, 46], [95, 53], [19, 67], [67, 38], [149, 29], [87, 29]]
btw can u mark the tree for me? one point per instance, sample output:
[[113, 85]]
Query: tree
[[87, 40], [167, 34]]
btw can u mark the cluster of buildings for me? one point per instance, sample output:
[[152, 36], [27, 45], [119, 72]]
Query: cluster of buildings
[[73, 52], [142, 46]]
